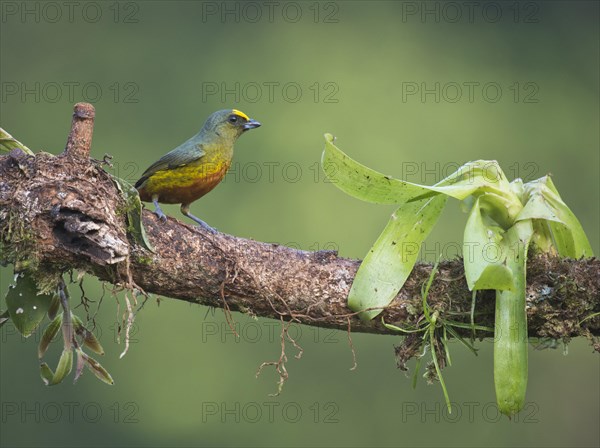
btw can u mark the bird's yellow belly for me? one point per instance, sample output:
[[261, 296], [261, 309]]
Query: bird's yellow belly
[[184, 184]]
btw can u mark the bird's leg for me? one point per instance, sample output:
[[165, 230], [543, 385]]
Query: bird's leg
[[185, 209], [157, 210]]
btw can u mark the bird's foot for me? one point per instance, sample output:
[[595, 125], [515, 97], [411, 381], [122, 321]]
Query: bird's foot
[[161, 216], [203, 224], [185, 209], [158, 211]]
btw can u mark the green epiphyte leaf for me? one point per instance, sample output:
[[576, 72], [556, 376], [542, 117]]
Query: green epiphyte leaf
[[542, 236], [46, 373], [544, 203], [518, 188], [134, 212], [89, 339], [49, 334], [364, 183], [391, 259], [65, 364], [485, 252], [96, 368], [26, 307], [369, 185], [54, 307], [8, 143]]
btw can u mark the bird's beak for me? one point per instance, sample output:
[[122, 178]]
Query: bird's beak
[[251, 125]]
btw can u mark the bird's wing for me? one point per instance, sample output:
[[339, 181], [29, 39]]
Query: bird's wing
[[180, 156]]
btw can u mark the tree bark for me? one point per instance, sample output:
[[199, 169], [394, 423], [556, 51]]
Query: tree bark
[[59, 213]]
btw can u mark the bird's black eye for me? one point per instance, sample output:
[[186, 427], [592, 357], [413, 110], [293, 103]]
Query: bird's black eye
[[233, 118]]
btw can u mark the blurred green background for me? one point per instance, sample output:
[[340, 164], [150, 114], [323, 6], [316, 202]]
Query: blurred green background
[[409, 88]]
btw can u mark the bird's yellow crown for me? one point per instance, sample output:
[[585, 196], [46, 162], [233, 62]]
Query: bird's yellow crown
[[239, 113]]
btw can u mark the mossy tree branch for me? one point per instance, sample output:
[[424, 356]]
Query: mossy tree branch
[[59, 213]]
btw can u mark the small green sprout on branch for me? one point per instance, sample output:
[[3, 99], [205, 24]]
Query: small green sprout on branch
[[505, 220], [431, 323]]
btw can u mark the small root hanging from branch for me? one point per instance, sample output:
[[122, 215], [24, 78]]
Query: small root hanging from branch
[[281, 362], [130, 319]]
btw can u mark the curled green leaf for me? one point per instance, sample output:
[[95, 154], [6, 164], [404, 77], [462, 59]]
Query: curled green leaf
[[545, 204], [46, 373], [96, 368], [54, 307], [485, 252], [49, 334], [89, 339], [366, 184], [134, 212], [65, 364]]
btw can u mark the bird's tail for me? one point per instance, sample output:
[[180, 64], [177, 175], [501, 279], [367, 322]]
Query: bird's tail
[[140, 181]]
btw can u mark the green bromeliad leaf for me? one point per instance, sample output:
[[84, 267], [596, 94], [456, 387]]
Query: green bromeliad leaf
[[485, 252], [369, 185], [364, 183], [545, 204], [391, 259]]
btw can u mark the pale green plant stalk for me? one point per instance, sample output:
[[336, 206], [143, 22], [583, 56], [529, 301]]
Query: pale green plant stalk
[[510, 332]]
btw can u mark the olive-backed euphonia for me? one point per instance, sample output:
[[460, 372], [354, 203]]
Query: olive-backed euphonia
[[195, 167]]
